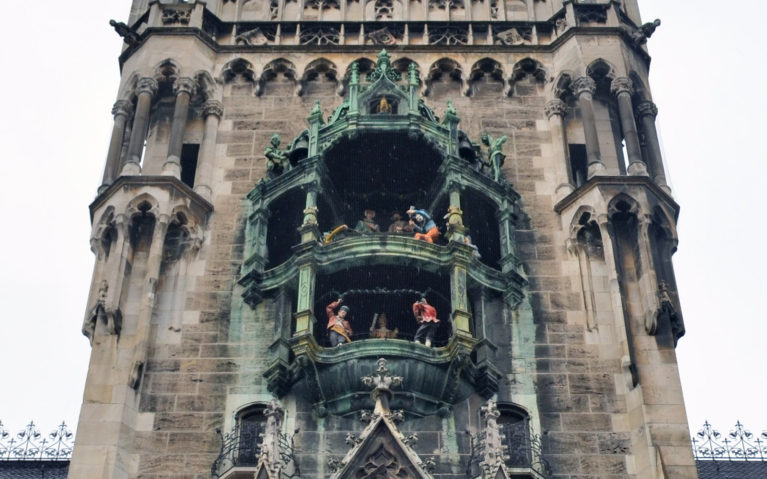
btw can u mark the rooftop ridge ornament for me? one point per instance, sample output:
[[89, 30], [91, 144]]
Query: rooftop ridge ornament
[[384, 69]]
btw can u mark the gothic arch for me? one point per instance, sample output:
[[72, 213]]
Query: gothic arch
[[603, 73], [238, 67], [444, 67], [583, 215], [364, 66], [143, 204], [104, 233], [128, 91], [623, 204], [314, 70], [167, 70], [528, 67], [641, 92], [273, 69], [488, 70]]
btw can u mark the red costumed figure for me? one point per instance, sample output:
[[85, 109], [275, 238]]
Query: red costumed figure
[[339, 329], [426, 316]]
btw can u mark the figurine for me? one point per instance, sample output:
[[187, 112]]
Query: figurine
[[423, 225], [384, 106], [474, 249], [379, 330], [398, 225], [426, 317], [339, 329], [494, 154], [367, 224], [277, 161]]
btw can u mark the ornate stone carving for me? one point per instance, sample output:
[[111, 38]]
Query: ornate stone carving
[[257, 36], [213, 107], [584, 85], [122, 107], [647, 108], [319, 35], [555, 107], [172, 16], [591, 13], [384, 68], [560, 25], [444, 4], [183, 85], [622, 85], [641, 34], [384, 10], [388, 35], [449, 35], [514, 36], [146, 85], [127, 33]]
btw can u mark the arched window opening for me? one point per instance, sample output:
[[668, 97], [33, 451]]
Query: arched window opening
[[369, 291], [250, 425], [514, 425], [479, 217], [108, 238], [579, 167], [189, 154], [141, 229]]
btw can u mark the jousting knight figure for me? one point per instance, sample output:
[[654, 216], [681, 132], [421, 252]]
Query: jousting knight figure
[[424, 226]]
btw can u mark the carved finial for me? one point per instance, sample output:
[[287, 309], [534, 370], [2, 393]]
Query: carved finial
[[384, 68], [354, 75], [412, 74], [382, 381]]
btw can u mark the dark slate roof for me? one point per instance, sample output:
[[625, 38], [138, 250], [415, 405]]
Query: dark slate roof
[[731, 469], [33, 469]]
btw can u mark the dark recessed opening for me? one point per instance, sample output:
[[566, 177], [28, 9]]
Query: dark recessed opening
[[285, 216], [189, 155], [579, 167], [368, 290], [384, 172]]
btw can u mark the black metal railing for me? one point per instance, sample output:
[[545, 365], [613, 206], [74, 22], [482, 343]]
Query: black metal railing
[[523, 449], [31, 445], [239, 448], [739, 444]]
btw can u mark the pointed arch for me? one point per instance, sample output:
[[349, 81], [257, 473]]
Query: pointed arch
[[143, 204], [623, 204], [321, 67], [167, 70], [561, 84], [128, 91], [641, 92], [275, 68], [238, 67], [486, 70], [364, 66], [444, 68]]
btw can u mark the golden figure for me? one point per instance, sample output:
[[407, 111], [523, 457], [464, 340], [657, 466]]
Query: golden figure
[[384, 106]]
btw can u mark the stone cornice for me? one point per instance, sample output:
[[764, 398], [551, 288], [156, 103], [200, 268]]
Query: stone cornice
[[156, 181], [617, 182]]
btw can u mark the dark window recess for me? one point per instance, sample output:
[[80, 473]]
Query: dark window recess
[[189, 155], [579, 167], [515, 433], [251, 426]]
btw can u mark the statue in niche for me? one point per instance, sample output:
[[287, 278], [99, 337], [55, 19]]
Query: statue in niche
[[426, 317], [495, 156], [277, 161], [424, 226], [339, 329], [379, 330], [367, 224], [384, 106]]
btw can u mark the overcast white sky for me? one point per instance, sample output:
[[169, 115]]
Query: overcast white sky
[[59, 79]]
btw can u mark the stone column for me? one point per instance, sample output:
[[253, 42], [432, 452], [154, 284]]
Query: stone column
[[212, 111], [647, 112], [622, 88], [183, 88], [455, 227], [556, 110], [145, 90], [584, 89], [121, 111]]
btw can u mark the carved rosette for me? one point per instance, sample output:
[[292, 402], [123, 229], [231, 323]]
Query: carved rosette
[[647, 108], [622, 85], [584, 85], [555, 108]]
